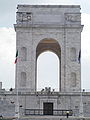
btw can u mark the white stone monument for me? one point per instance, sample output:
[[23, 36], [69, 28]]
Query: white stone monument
[[56, 28]]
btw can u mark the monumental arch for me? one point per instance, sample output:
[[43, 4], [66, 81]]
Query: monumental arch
[[48, 27]]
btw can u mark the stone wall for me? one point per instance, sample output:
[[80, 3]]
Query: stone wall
[[31, 100]]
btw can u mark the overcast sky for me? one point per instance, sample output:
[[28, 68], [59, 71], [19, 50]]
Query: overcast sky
[[7, 39]]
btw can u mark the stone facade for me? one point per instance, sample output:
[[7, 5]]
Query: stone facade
[[31, 100], [39, 28], [51, 27]]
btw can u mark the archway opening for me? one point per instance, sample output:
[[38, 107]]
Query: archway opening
[[45, 49], [48, 71]]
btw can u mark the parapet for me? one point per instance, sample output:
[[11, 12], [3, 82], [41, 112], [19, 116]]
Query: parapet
[[48, 14]]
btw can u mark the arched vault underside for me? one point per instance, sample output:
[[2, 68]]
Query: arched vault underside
[[48, 44]]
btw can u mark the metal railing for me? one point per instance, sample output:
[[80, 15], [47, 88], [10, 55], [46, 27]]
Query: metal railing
[[43, 112]]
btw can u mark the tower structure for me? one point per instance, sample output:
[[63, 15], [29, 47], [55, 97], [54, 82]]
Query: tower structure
[[56, 28]]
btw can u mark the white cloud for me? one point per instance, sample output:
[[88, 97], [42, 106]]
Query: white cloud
[[48, 70], [86, 36], [86, 23], [85, 51], [7, 55]]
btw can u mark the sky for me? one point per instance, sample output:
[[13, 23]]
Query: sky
[[8, 39]]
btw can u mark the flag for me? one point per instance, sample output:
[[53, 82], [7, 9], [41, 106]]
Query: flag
[[17, 54], [79, 56], [16, 57]]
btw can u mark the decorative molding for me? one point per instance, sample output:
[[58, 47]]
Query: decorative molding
[[23, 17], [72, 17]]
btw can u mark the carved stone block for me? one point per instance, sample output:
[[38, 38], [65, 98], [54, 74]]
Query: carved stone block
[[71, 17], [23, 17]]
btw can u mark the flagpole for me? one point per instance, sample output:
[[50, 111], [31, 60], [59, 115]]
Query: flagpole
[[81, 113], [81, 105], [17, 100]]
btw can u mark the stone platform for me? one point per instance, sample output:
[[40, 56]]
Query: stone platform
[[53, 118]]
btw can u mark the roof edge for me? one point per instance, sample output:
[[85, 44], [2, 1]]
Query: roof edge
[[49, 6]]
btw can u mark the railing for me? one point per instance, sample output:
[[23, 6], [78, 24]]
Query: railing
[[42, 112]]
